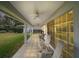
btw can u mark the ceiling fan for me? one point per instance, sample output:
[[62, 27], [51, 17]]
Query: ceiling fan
[[36, 12]]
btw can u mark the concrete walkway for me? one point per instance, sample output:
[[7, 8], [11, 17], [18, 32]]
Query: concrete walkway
[[31, 49]]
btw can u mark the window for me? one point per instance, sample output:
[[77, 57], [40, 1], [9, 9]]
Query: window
[[62, 28]]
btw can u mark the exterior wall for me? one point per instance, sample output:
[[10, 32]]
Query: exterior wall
[[64, 8], [76, 30]]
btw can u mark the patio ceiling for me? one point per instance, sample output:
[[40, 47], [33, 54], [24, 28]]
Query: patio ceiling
[[36, 12]]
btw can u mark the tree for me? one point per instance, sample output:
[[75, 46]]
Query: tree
[[10, 24]]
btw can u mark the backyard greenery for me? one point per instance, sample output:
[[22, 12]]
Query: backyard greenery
[[10, 43]]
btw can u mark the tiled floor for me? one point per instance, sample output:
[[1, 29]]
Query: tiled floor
[[31, 49]]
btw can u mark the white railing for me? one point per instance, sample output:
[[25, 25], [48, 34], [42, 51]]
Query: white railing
[[58, 50]]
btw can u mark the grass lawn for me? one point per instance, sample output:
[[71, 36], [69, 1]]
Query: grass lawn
[[10, 43]]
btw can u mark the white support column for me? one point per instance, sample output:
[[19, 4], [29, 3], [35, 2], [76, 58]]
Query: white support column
[[25, 33]]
